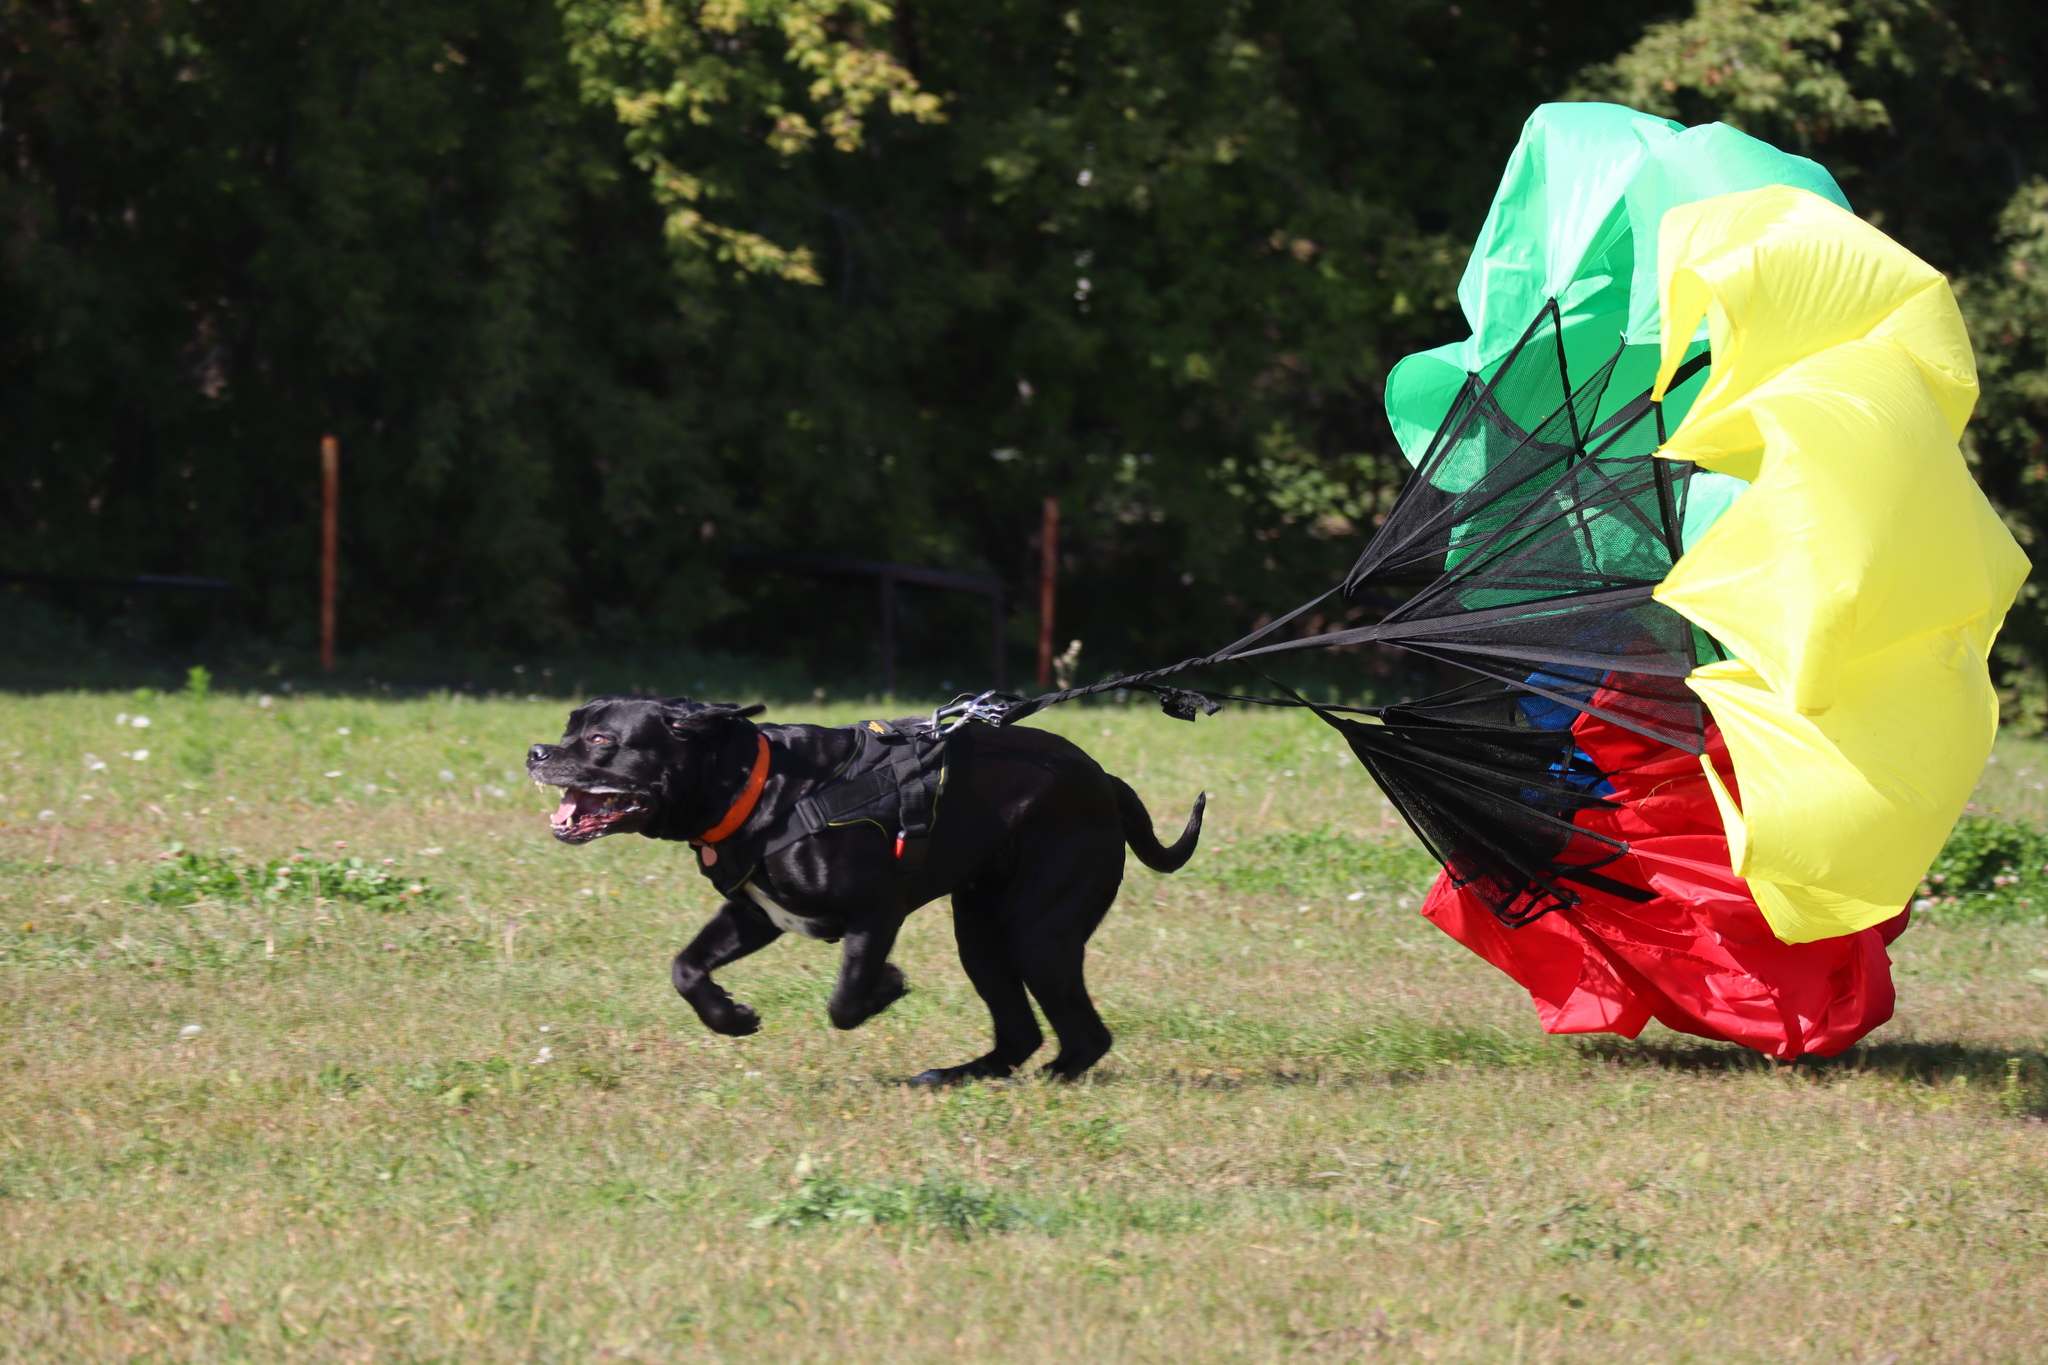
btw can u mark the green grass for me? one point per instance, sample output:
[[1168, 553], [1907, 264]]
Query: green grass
[[253, 1108]]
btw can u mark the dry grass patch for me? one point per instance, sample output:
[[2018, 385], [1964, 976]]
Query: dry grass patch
[[1326, 1132]]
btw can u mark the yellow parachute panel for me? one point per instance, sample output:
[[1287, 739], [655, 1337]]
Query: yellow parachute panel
[[1862, 577]]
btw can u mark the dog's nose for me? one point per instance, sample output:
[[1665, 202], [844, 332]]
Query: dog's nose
[[540, 753]]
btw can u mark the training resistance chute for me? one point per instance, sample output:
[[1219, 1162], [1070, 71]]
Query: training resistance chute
[[1688, 507]]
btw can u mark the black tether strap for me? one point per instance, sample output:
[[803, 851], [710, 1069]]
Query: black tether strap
[[1183, 703]]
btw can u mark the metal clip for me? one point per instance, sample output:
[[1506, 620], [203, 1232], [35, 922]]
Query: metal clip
[[987, 708]]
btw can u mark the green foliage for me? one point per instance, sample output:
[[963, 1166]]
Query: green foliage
[[183, 877], [767, 72], [1759, 63], [1319, 861], [2007, 308], [255, 222], [1155, 258], [937, 1201], [1931, 115], [594, 291], [2024, 1093], [1100, 1137], [1990, 869], [1892, 96], [538, 265], [1370, 1105], [1391, 1048], [1576, 1234]]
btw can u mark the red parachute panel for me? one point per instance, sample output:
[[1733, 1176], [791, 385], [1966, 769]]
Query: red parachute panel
[[1698, 956]]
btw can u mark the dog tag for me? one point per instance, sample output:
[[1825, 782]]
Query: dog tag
[[709, 855]]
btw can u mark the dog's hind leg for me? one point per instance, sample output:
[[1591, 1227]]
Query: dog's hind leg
[[1064, 886], [1058, 982], [985, 953], [736, 930], [868, 981]]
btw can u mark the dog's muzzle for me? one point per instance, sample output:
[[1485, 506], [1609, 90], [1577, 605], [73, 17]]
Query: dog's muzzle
[[587, 815], [586, 812]]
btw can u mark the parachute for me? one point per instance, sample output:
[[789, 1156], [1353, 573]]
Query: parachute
[[1689, 509]]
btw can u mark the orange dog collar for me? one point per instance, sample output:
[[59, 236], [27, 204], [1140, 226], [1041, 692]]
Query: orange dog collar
[[743, 807]]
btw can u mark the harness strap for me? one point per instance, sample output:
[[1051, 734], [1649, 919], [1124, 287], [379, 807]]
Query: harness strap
[[896, 789], [744, 806], [913, 807]]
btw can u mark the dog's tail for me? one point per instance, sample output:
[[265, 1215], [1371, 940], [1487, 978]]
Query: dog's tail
[[1138, 831]]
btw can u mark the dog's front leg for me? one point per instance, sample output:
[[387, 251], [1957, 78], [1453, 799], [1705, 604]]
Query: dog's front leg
[[736, 930], [868, 982]]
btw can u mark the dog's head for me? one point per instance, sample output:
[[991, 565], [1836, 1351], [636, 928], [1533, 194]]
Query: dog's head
[[626, 762]]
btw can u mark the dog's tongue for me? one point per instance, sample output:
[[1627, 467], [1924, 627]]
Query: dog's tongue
[[575, 805]]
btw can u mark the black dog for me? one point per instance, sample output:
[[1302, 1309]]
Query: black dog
[[1028, 838]]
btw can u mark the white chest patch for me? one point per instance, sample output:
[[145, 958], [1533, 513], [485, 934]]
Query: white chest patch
[[785, 920]]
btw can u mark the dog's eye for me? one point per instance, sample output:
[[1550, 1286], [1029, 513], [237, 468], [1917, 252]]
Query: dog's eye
[[599, 739]]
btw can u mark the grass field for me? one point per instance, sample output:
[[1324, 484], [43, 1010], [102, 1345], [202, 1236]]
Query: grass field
[[254, 1109]]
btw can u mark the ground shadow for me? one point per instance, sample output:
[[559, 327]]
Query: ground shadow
[[2004, 1069]]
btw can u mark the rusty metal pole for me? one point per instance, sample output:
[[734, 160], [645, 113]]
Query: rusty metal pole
[[330, 543], [1048, 585]]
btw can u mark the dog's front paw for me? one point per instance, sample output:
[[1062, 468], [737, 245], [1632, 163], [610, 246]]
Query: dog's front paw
[[733, 1019]]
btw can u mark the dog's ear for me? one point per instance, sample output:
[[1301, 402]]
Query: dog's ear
[[682, 714]]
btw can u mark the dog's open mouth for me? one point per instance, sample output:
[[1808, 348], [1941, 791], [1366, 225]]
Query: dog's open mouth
[[587, 815]]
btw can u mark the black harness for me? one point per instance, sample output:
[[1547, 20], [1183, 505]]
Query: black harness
[[893, 780]]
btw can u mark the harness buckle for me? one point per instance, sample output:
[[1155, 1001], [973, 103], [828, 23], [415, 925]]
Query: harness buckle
[[987, 707]]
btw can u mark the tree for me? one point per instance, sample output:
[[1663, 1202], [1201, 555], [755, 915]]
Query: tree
[[1927, 113], [594, 291], [1930, 116], [2007, 308], [232, 226], [1155, 258]]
